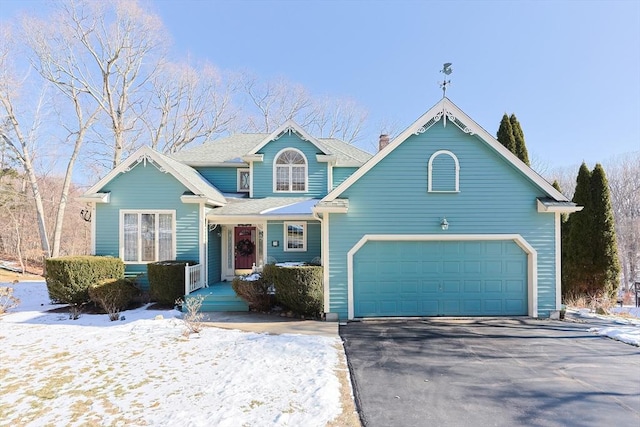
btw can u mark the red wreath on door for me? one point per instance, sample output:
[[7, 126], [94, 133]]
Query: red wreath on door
[[245, 247]]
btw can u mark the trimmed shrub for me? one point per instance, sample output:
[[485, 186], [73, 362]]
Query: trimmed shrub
[[166, 280], [254, 292], [113, 295], [299, 288], [69, 278]]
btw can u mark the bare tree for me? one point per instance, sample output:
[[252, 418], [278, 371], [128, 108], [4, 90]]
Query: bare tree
[[276, 101], [20, 142], [187, 105], [337, 118], [271, 103], [623, 173], [112, 49]]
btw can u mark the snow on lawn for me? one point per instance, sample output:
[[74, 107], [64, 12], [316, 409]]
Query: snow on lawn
[[144, 371], [623, 324]]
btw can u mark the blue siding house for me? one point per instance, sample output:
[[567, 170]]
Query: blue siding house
[[442, 221]]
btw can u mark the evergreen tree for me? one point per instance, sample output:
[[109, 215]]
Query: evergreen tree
[[577, 271], [518, 135], [605, 261], [505, 134]]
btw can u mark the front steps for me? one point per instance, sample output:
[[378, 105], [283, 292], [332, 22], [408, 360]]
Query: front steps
[[219, 297]]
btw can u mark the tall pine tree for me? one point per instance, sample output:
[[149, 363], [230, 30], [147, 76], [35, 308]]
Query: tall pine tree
[[577, 267], [590, 264], [605, 260], [518, 135], [505, 134]]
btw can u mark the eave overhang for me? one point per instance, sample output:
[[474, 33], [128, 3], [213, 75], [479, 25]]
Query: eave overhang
[[326, 158], [95, 198], [197, 198], [546, 205], [334, 206], [249, 158]]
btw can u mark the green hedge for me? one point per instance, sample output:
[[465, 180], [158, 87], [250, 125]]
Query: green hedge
[[69, 278], [300, 289], [254, 292], [113, 295], [166, 280]]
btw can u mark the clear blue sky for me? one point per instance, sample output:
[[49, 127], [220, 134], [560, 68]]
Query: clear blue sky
[[570, 70]]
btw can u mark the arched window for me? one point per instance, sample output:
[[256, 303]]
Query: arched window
[[290, 171], [444, 172]]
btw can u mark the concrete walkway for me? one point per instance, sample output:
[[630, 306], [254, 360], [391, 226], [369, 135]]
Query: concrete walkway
[[270, 324]]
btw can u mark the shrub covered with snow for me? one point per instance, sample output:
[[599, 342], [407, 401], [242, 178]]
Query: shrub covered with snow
[[166, 280], [253, 289], [298, 288], [69, 278], [113, 295]]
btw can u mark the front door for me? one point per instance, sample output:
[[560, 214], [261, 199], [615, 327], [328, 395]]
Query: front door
[[245, 247]]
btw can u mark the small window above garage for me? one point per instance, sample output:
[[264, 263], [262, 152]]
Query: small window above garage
[[444, 173]]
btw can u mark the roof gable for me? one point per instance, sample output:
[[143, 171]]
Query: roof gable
[[447, 111], [189, 177], [290, 127]]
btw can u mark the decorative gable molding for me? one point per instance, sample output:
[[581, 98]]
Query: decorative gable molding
[[289, 127], [444, 114], [144, 158]]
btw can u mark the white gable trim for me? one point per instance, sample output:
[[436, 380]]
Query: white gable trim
[[143, 155], [532, 259], [288, 127], [446, 110]]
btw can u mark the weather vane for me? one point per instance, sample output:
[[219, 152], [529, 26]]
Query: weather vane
[[446, 69]]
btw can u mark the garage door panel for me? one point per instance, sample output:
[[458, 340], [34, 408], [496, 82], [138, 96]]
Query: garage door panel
[[430, 267], [472, 286], [451, 286], [409, 286], [428, 278], [430, 286]]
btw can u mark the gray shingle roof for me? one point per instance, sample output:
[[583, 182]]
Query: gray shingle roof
[[224, 150], [229, 151], [197, 181], [253, 207]]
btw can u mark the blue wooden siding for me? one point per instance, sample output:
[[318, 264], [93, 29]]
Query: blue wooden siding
[[224, 179], [145, 187], [214, 256], [275, 231], [443, 173], [263, 171], [342, 173], [392, 198]]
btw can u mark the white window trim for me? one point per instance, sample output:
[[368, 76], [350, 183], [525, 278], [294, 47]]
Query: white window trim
[[302, 224], [238, 180], [275, 172], [146, 211], [430, 170]]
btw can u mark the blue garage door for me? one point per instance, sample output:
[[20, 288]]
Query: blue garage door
[[462, 278]]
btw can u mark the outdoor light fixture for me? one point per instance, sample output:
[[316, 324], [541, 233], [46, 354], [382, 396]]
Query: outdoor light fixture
[[444, 224], [275, 243]]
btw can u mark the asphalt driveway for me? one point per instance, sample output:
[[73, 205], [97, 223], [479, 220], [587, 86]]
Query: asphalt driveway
[[491, 372]]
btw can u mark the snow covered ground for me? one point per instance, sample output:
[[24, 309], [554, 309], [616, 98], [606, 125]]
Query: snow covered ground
[[622, 325], [144, 371]]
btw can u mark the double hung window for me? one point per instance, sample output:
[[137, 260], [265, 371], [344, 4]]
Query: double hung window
[[147, 236]]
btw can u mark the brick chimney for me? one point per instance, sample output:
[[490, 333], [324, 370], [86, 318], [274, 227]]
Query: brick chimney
[[384, 141]]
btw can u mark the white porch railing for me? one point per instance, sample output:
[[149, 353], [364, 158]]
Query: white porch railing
[[193, 278]]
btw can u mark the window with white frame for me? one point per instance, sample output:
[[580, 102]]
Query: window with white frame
[[244, 180], [290, 171], [443, 173], [147, 236], [295, 236]]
